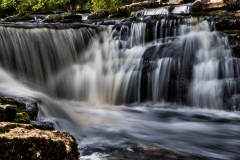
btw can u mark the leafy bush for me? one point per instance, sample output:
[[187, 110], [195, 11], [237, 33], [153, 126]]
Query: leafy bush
[[28, 6]]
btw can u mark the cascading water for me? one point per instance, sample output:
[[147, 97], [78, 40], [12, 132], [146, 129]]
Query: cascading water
[[156, 83]]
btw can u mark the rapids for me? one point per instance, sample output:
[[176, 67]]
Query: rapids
[[164, 83]]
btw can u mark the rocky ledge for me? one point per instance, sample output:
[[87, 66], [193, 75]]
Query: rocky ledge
[[23, 141]]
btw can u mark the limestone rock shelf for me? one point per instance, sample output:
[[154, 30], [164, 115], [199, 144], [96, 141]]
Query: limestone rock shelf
[[23, 141]]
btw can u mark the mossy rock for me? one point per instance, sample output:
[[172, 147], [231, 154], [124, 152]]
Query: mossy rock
[[8, 113], [21, 107], [22, 118], [22, 141], [19, 17], [7, 126]]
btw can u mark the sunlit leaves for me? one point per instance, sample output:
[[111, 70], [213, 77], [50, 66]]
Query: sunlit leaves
[[25, 6], [28, 6]]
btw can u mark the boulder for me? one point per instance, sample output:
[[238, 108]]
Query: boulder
[[99, 15], [234, 41], [43, 125], [209, 5], [21, 107], [22, 141], [63, 18], [8, 113], [32, 110], [22, 118], [228, 23], [196, 6], [232, 4], [172, 1], [19, 18]]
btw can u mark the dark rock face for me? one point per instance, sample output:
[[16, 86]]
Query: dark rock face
[[19, 18], [63, 18], [24, 142], [197, 6], [228, 23], [21, 107], [232, 4], [99, 15], [43, 125], [8, 113], [234, 41], [207, 5], [32, 110]]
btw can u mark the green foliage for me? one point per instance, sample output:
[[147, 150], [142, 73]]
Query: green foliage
[[5, 11], [29, 6]]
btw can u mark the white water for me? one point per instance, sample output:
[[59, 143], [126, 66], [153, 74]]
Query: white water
[[88, 91], [178, 9]]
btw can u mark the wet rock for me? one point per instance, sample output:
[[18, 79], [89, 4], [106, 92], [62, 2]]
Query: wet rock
[[228, 23], [234, 41], [135, 6], [233, 103], [84, 11], [63, 18], [178, 91], [232, 4], [19, 18], [150, 4], [99, 15], [189, 1], [32, 110], [172, 1], [21, 107], [22, 118], [209, 5], [8, 113], [138, 153], [43, 125], [196, 6], [119, 12], [236, 51], [75, 18], [44, 12], [18, 141]]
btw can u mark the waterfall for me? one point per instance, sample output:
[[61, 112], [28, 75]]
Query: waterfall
[[166, 10], [176, 60], [35, 55], [116, 85]]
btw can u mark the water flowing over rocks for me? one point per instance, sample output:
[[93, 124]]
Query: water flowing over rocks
[[32, 110], [138, 153], [124, 75]]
